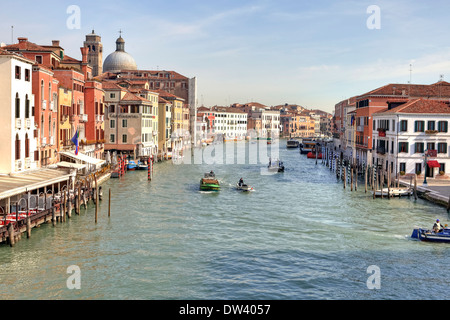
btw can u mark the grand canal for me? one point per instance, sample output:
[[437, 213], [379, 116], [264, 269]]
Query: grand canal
[[299, 235]]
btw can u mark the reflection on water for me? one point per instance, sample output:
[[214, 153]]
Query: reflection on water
[[299, 235]]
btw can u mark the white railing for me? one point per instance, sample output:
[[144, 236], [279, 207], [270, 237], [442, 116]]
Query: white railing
[[52, 140], [52, 105], [44, 140], [99, 118], [27, 163], [44, 104], [18, 165], [83, 117], [28, 123], [18, 123]]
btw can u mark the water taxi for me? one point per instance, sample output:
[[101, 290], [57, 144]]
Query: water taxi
[[393, 192], [276, 166], [431, 236], [209, 182], [307, 146], [292, 144]]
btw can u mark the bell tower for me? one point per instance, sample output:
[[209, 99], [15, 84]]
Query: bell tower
[[95, 53]]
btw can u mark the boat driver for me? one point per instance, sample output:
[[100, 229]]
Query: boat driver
[[241, 182], [437, 227]]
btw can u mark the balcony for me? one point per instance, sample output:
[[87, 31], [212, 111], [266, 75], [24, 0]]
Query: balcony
[[360, 128], [52, 141], [28, 163], [18, 123], [18, 165], [83, 117], [44, 104], [52, 106], [44, 141], [99, 118], [28, 123]]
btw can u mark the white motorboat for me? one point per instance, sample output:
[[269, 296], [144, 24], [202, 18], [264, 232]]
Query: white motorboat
[[394, 192], [275, 166], [244, 187]]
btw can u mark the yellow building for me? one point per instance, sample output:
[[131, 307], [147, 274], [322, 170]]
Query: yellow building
[[65, 132]]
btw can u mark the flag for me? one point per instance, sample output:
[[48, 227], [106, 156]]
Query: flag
[[353, 120], [75, 142]]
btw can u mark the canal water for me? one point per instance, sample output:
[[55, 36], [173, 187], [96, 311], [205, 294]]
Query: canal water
[[299, 235]]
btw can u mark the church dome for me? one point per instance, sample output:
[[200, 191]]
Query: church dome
[[119, 60]]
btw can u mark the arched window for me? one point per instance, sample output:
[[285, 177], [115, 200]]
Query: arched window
[[17, 145], [27, 107], [42, 126], [42, 90], [17, 106], [49, 125], [27, 146]]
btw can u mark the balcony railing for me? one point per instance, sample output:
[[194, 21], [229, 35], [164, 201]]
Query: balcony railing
[[99, 117], [44, 104], [360, 128], [18, 123], [28, 123], [52, 141], [27, 163], [83, 117], [18, 165]]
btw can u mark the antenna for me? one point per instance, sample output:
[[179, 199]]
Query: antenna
[[12, 34], [410, 73]]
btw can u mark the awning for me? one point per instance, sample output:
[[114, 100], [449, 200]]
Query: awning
[[433, 164], [71, 165], [82, 157]]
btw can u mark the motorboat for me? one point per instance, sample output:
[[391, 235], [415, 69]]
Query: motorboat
[[292, 144], [142, 166], [312, 155], [275, 166], [131, 165], [244, 187], [431, 236], [209, 182], [393, 192]]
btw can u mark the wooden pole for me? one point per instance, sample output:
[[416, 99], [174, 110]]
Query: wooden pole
[[389, 183], [415, 186], [12, 240], [29, 218], [54, 215], [351, 178], [365, 179], [109, 204], [356, 178], [345, 179], [96, 202]]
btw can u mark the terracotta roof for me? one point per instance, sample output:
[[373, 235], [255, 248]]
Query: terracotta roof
[[26, 46], [68, 59], [132, 97], [420, 106], [166, 94], [439, 89], [109, 85]]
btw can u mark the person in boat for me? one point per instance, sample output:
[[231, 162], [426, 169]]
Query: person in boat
[[241, 182], [437, 227]]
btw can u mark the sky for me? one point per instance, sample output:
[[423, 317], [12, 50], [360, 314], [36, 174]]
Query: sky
[[310, 53]]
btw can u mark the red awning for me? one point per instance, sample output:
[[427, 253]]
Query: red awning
[[433, 164]]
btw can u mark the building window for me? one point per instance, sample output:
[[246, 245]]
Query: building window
[[27, 75], [112, 138], [39, 59], [27, 107], [419, 126], [443, 126], [431, 146], [403, 125], [403, 147], [112, 95], [18, 72], [418, 168], [17, 106], [17, 147], [420, 147], [27, 146], [442, 148], [403, 167], [442, 168], [124, 138], [112, 108], [431, 125], [124, 123], [112, 124]]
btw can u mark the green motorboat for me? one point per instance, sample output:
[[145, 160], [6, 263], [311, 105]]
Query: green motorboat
[[209, 182]]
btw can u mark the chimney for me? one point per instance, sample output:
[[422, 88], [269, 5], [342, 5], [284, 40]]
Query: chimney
[[22, 43], [55, 43], [84, 53]]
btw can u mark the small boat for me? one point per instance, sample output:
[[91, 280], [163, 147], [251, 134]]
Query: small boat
[[276, 166], [394, 192], [141, 166], [131, 165], [312, 155], [431, 236], [292, 144], [209, 182], [244, 187], [115, 174]]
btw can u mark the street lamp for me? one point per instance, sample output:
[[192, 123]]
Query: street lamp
[[425, 167]]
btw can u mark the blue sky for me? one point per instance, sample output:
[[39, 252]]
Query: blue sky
[[311, 53]]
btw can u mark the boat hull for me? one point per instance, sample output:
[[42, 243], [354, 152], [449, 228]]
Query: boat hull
[[394, 192], [429, 236], [312, 155], [245, 188]]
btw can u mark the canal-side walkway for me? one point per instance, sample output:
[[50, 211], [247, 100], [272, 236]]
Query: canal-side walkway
[[435, 190]]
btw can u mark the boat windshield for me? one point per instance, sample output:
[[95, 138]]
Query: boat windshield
[[210, 175]]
